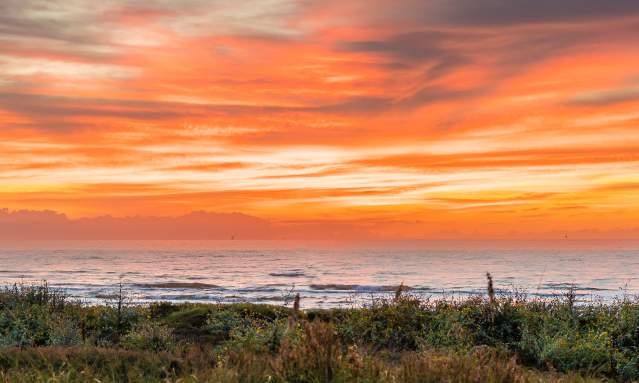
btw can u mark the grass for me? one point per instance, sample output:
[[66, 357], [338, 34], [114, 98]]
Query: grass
[[46, 337]]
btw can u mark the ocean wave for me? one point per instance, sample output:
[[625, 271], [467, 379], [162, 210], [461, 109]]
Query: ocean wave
[[292, 274], [567, 286], [177, 285], [181, 297], [266, 288], [595, 289], [356, 288], [272, 298]]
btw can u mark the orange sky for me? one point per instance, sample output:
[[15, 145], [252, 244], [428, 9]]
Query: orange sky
[[435, 118]]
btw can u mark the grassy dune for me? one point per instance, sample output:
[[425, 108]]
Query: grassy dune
[[46, 337]]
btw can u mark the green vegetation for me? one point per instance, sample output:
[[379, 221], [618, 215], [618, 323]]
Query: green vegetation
[[45, 337]]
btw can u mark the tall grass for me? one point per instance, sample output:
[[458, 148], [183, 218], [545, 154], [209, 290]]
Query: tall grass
[[44, 336]]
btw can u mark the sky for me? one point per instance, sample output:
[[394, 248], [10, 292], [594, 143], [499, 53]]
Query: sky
[[378, 118]]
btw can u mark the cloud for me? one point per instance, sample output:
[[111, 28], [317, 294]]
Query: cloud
[[419, 49], [439, 52], [69, 20], [405, 47], [12, 66], [521, 198], [198, 225], [432, 94], [357, 105], [52, 112], [266, 18], [210, 167], [65, 113], [291, 109], [506, 159], [81, 22], [606, 97], [435, 56], [512, 12]]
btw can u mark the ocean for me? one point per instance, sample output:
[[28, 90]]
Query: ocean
[[325, 274]]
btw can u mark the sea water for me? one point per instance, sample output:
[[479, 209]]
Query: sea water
[[325, 274]]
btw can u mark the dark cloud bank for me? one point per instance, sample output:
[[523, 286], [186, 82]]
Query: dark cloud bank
[[50, 225]]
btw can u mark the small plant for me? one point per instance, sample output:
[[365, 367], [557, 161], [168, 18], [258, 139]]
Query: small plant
[[149, 336], [571, 297], [64, 332], [296, 306], [221, 324], [314, 355], [490, 288], [398, 291]]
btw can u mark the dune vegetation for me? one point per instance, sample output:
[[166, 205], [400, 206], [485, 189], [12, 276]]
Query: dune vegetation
[[47, 337]]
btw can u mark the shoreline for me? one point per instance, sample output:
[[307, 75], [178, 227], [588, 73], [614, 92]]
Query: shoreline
[[314, 296]]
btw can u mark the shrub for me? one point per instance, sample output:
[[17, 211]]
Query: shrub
[[188, 323], [64, 332], [149, 336], [313, 354], [396, 324], [105, 325], [221, 323], [590, 352]]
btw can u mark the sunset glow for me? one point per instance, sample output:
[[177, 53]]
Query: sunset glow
[[397, 119]]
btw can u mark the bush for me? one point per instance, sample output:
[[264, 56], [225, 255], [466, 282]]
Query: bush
[[37, 316], [149, 336], [221, 323], [590, 352], [398, 324], [188, 323], [105, 325], [64, 332]]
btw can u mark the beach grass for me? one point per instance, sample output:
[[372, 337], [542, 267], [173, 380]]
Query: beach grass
[[47, 337]]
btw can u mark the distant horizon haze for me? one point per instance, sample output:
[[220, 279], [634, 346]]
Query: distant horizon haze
[[50, 225]]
